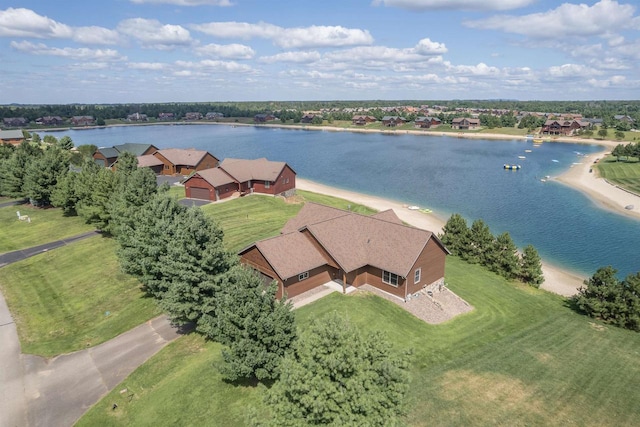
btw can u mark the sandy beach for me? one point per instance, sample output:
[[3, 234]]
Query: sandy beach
[[557, 280]]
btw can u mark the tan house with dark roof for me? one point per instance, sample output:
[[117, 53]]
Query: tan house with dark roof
[[323, 244]]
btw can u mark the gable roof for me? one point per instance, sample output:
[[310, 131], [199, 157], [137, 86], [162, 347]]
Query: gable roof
[[133, 148], [259, 169], [214, 176], [108, 152], [183, 157], [389, 215], [311, 213], [149, 160], [11, 134], [290, 254]]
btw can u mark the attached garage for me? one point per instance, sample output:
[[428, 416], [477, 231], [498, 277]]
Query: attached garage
[[200, 193]]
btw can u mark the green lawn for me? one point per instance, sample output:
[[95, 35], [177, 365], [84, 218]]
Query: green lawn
[[46, 225], [73, 297], [520, 358], [626, 174]]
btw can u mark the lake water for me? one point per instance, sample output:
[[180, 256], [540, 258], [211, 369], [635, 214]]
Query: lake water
[[446, 174]]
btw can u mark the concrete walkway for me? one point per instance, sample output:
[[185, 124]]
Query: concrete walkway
[[13, 203], [35, 391]]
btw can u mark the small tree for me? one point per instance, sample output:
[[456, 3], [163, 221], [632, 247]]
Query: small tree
[[257, 328], [504, 257], [481, 243], [602, 133], [455, 235], [531, 267], [65, 143], [336, 376]]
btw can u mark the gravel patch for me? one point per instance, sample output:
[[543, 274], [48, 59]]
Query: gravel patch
[[442, 306]]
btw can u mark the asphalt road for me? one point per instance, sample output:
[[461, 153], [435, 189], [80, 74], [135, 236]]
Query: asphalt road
[[35, 391]]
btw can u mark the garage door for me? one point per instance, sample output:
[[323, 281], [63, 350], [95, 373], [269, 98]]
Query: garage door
[[199, 193]]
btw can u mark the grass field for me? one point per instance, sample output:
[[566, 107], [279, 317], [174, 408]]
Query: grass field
[[622, 173], [46, 225], [60, 299], [520, 358]]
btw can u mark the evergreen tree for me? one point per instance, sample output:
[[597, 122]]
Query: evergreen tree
[[15, 169], [455, 235], [504, 257], [531, 267], [65, 143], [257, 328], [95, 187], [64, 195], [134, 190], [337, 377], [481, 243], [42, 174]]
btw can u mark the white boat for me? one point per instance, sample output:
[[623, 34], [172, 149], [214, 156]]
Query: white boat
[[527, 151], [521, 157], [555, 161], [413, 208], [629, 207]]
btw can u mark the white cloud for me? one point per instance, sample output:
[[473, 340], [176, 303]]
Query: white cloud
[[289, 38], [186, 2], [566, 20], [228, 51], [454, 4], [146, 66], [572, 71], [95, 35], [215, 65], [151, 33], [427, 47], [67, 52], [481, 69], [26, 23], [295, 57], [322, 36]]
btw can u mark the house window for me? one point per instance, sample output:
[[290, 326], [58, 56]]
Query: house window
[[390, 278], [416, 275], [267, 184], [303, 276]]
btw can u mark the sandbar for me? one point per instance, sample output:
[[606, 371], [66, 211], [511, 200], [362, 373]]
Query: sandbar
[[557, 280]]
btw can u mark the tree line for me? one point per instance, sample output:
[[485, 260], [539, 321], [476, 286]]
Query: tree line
[[499, 254], [179, 257], [628, 150]]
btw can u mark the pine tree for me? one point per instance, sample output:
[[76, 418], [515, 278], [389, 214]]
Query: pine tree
[[336, 376], [504, 257], [134, 190], [64, 195], [16, 168], [257, 328], [531, 267], [42, 174], [455, 235], [481, 243]]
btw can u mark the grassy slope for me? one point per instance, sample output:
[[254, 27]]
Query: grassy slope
[[624, 174], [520, 358], [46, 226], [59, 299]]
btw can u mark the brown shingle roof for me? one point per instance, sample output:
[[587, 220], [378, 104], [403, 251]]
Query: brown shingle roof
[[182, 157], [311, 213], [259, 169], [149, 160], [290, 254], [215, 176], [389, 215]]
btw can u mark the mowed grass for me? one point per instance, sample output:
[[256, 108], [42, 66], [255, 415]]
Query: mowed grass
[[626, 174], [521, 357], [47, 225], [73, 297]]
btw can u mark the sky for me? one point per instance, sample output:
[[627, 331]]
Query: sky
[[134, 51]]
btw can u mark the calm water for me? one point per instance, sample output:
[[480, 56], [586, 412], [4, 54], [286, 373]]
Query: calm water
[[446, 174]]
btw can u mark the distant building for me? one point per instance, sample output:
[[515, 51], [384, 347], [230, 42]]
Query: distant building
[[192, 116], [137, 117], [213, 115], [12, 137], [15, 122], [465, 123], [107, 156], [82, 120], [50, 121], [166, 117]]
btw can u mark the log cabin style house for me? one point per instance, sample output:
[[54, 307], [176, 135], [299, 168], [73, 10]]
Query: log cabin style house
[[427, 122], [464, 123], [323, 244], [176, 161], [563, 127], [393, 121], [240, 177], [363, 120]]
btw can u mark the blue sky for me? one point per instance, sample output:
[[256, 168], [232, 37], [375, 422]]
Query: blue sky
[[118, 51]]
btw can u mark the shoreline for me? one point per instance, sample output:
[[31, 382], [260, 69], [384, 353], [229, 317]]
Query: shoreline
[[557, 279]]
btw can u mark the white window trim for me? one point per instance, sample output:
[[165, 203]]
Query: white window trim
[[267, 184], [303, 276], [389, 281], [417, 275]]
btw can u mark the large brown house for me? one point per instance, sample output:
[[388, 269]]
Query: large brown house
[[465, 123], [239, 176], [427, 122], [176, 161], [323, 244], [563, 127]]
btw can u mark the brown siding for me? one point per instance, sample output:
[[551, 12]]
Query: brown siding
[[198, 182], [105, 161], [431, 260], [285, 182], [373, 277], [207, 162], [227, 190], [317, 277], [168, 168], [152, 149], [254, 259]]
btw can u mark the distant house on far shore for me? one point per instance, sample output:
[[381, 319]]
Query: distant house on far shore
[[50, 121], [427, 122], [362, 120], [213, 115], [137, 117], [393, 121], [166, 117], [262, 118], [15, 122], [82, 120], [465, 123], [192, 116]]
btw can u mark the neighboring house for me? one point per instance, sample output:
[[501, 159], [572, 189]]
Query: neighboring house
[[137, 117], [15, 122], [12, 137], [166, 117], [624, 118], [107, 156], [308, 118], [211, 184], [563, 127], [393, 121], [176, 161], [362, 120], [262, 118], [193, 116], [427, 122], [213, 115], [242, 177], [50, 121], [323, 244], [82, 120], [465, 123]]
